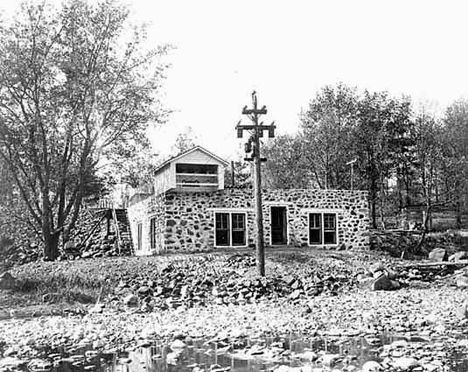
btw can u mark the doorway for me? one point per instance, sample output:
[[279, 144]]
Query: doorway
[[279, 230]]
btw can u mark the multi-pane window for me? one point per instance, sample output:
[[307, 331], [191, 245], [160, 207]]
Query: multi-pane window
[[238, 228], [230, 229], [329, 228], [322, 228], [315, 228], [153, 233]]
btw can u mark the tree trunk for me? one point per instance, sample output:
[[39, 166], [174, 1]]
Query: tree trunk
[[51, 251]]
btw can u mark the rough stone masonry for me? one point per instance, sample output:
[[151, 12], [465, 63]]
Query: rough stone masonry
[[186, 220]]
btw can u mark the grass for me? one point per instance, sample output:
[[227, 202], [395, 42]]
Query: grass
[[87, 281]]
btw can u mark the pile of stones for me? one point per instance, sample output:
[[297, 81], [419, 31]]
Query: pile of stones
[[101, 243], [195, 283]]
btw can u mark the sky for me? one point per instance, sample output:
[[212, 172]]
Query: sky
[[287, 50]]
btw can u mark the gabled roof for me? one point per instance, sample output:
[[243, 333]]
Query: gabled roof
[[196, 148]]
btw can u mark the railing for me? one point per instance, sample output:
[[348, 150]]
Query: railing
[[117, 230]]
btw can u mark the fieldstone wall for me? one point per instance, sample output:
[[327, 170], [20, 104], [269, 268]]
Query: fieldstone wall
[[185, 220], [142, 212]]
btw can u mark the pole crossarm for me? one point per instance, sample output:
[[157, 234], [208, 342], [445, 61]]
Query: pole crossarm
[[252, 146]]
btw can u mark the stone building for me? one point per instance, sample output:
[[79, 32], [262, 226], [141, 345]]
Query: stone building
[[191, 209]]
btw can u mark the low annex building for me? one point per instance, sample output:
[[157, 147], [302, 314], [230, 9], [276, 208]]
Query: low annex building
[[191, 209]]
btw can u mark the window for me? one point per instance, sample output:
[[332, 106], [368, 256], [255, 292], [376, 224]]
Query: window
[[196, 175], [139, 236], [222, 229], [315, 228], [230, 229], [322, 228], [238, 228], [153, 233], [329, 228]]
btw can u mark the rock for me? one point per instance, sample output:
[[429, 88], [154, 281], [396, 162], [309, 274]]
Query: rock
[[462, 255], [144, 290], [382, 283], [329, 359], [405, 363], [177, 344], [462, 311], [371, 366], [395, 284], [462, 281], [7, 281], [130, 300], [11, 362], [438, 255]]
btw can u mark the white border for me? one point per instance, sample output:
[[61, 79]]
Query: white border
[[285, 206], [230, 211], [322, 211]]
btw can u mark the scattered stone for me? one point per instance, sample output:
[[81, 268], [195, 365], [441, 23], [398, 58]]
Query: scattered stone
[[372, 366], [462, 281], [438, 255], [7, 281], [382, 283], [405, 363], [130, 300], [458, 256]]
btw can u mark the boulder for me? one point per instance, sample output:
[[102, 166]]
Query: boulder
[[438, 255], [405, 363], [130, 300], [462, 281], [382, 283], [371, 366], [7, 281]]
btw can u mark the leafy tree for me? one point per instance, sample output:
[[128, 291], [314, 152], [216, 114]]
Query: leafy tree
[[185, 140], [455, 155], [75, 86], [327, 128], [286, 167]]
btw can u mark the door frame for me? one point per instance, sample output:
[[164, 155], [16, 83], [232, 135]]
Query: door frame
[[286, 226]]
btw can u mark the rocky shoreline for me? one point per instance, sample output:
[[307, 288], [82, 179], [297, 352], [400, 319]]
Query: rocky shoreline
[[422, 314], [154, 300]]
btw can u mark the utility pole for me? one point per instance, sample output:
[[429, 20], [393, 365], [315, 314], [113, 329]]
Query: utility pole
[[351, 163], [253, 145]]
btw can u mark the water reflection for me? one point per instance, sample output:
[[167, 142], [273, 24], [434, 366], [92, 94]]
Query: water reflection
[[243, 355]]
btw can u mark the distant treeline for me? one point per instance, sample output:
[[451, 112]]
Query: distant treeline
[[404, 155]]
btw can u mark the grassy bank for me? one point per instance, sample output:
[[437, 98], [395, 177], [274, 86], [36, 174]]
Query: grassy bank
[[89, 281]]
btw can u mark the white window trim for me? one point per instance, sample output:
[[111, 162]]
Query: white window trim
[[322, 212], [230, 212], [287, 224], [139, 237]]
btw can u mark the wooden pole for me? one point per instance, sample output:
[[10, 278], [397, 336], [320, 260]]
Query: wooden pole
[[258, 193], [256, 130]]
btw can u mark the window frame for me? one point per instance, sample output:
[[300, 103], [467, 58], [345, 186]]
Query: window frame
[[139, 236], [152, 232], [322, 214], [230, 228]]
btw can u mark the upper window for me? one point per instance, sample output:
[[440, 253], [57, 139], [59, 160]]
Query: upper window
[[322, 228], [196, 175]]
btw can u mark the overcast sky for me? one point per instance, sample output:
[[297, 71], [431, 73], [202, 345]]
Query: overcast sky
[[287, 50]]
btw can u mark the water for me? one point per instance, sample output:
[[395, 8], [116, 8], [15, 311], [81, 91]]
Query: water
[[220, 356]]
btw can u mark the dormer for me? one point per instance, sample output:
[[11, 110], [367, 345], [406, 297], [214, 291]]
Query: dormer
[[194, 170]]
